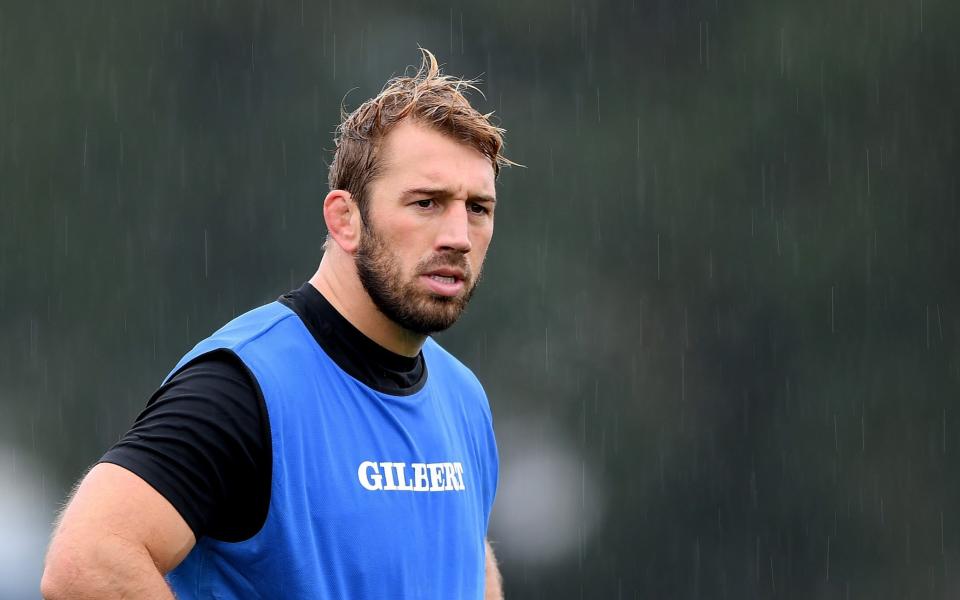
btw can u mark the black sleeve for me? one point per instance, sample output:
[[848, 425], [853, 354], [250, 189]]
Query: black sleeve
[[203, 442]]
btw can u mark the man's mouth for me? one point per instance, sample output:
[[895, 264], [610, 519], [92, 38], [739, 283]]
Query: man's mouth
[[444, 279], [447, 281], [447, 274]]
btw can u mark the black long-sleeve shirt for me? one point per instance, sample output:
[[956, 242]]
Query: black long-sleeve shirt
[[203, 440]]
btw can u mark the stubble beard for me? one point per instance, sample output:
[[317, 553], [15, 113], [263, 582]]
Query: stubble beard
[[406, 303]]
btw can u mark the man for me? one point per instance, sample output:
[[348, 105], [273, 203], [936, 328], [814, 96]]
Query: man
[[323, 446]]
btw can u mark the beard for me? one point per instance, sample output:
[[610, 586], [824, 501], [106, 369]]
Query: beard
[[406, 303]]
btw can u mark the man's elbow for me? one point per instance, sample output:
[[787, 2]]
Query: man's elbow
[[72, 571], [52, 585], [60, 573]]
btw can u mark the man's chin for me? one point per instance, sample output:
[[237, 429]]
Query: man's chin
[[437, 313], [436, 323]]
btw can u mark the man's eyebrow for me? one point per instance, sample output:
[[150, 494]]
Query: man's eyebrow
[[445, 193]]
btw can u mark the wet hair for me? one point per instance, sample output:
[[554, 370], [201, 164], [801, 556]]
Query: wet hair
[[426, 97]]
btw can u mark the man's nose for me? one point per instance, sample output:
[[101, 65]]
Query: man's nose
[[455, 229]]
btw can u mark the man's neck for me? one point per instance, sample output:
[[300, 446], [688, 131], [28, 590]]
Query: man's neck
[[341, 286]]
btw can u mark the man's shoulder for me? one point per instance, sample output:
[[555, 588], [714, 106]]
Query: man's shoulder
[[458, 375], [253, 324], [241, 331], [438, 356]]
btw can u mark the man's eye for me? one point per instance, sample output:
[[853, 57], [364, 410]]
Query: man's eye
[[479, 209], [425, 203]]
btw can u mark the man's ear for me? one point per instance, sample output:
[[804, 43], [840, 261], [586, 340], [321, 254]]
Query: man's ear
[[342, 216]]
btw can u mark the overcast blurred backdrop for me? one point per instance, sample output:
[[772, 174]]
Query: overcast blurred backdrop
[[719, 322]]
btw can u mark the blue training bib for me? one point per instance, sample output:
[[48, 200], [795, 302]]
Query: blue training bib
[[372, 495]]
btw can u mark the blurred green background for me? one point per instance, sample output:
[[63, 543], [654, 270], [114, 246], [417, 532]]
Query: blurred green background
[[719, 321]]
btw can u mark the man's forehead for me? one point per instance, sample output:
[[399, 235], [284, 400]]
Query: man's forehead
[[418, 161]]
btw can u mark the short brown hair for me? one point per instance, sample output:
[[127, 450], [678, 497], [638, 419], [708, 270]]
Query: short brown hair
[[427, 97]]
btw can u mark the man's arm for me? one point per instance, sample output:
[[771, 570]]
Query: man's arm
[[494, 583], [116, 539]]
